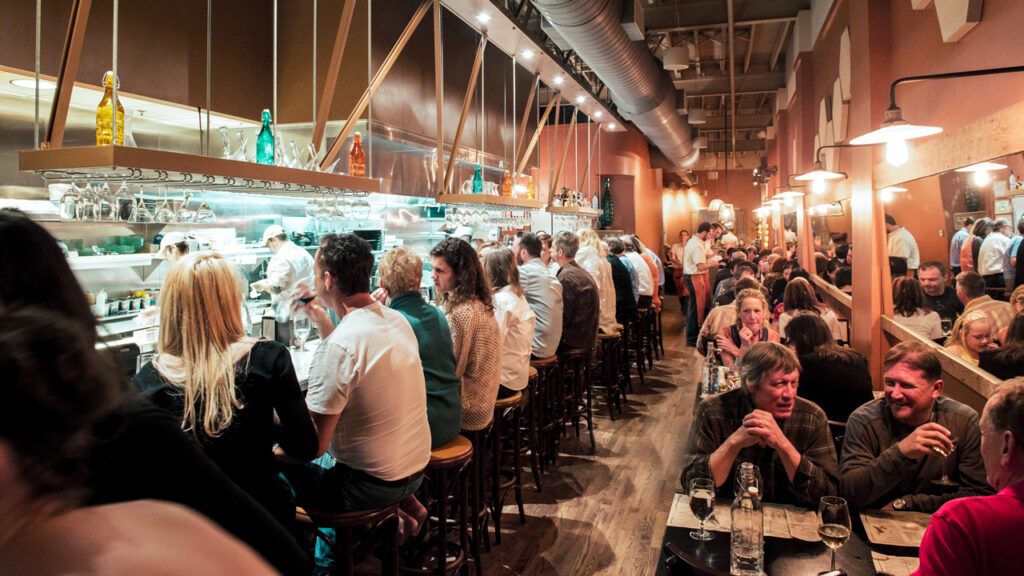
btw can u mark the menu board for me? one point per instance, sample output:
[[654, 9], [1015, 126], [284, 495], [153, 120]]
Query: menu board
[[895, 528]]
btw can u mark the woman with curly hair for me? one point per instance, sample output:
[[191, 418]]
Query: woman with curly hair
[[734, 340], [464, 295]]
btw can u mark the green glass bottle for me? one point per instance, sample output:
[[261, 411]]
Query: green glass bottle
[[265, 142], [478, 181]]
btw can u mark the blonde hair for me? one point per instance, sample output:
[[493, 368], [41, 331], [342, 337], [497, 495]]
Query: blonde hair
[[401, 270], [590, 238], [1017, 297], [962, 326], [199, 321], [754, 293]]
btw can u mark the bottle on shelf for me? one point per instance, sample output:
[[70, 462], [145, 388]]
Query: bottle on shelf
[[356, 157], [478, 180], [506, 185], [1014, 182], [265, 141], [105, 114], [746, 545], [531, 192]]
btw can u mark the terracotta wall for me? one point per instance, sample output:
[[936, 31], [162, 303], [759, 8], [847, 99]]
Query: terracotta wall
[[920, 209]]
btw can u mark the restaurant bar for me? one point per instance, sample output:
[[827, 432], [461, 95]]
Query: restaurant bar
[[512, 287]]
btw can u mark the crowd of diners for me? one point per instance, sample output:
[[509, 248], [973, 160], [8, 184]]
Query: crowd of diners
[[757, 311], [215, 438]]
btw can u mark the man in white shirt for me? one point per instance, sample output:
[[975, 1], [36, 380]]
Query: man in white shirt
[[289, 266], [990, 257], [645, 281], [366, 395], [676, 254], [903, 245], [543, 294], [695, 272]]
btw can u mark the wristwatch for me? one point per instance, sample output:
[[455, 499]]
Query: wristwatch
[[899, 504]]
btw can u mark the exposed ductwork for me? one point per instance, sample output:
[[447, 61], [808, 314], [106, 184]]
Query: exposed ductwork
[[640, 88]]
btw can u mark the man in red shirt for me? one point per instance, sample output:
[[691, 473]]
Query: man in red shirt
[[980, 534]]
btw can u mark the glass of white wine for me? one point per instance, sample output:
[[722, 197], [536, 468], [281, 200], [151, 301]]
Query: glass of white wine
[[301, 328], [833, 524], [702, 504]]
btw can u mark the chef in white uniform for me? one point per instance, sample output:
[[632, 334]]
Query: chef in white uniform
[[290, 265]]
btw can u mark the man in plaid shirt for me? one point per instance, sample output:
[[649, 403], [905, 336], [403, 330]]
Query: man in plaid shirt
[[764, 422]]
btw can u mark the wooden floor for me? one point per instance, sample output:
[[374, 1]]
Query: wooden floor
[[606, 513]]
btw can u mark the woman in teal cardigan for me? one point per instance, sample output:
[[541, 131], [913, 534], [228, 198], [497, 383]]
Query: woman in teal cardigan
[[400, 273]]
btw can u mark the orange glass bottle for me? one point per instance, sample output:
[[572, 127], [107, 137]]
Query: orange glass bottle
[[506, 185], [357, 158]]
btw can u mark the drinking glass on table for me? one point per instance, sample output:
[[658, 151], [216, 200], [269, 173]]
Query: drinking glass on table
[[833, 523], [949, 461], [301, 328], [702, 504]]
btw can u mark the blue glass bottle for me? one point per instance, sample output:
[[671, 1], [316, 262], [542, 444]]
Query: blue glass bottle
[[265, 142], [478, 181]]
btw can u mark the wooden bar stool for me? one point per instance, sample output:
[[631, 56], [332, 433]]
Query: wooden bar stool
[[548, 385], [448, 480], [625, 379], [607, 380], [659, 335], [576, 368], [637, 350], [508, 415], [478, 509], [382, 520], [531, 432]]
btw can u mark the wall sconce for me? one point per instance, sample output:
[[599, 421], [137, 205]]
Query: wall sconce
[[786, 196], [895, 131], [981, 171], [885, 194], [726, 212], [715, 205], [819, 175]]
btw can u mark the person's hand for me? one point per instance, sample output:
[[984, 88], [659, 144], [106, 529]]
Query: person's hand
[[763, 425], [380, 295], [925, 439], [261, 285], [725, 344], [744, 437]]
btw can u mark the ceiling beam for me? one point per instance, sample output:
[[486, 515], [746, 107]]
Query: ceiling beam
[[745, 83], [779, 43], [750, 49], [754, 144], [743, 122], [718, 25]]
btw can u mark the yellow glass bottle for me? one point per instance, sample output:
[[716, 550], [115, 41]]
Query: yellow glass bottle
[[104, 114], [531, 192]]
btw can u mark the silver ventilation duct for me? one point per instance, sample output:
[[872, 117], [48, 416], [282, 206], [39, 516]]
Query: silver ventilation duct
[[639, 86]]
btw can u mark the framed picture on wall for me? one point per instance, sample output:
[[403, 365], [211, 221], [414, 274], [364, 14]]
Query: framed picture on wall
[[1002, 206], [959, 217]]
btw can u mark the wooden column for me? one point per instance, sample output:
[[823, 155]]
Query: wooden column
[[327, 96], [450, 171], [804, 234], [66, 75]]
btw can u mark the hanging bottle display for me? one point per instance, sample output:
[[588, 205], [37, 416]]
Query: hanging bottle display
[[357, 158], [506, 185], [105, 114], [478, 181], [265, 142]]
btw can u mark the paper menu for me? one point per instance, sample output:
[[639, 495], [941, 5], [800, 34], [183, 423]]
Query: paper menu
[[803, 524], [895, 528], [779, 521], [895, 565]]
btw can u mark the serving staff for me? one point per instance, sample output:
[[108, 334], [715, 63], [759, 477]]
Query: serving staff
[[289, 266]]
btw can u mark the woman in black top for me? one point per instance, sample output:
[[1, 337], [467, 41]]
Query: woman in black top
[[225, 388], [833, 377], [1007, 361]]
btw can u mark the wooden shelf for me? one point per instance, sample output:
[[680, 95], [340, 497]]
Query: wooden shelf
[[504, 202], [145, 166], [591, 212]]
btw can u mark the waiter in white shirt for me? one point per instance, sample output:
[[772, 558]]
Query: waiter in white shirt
[[903, 245], [289, 266]]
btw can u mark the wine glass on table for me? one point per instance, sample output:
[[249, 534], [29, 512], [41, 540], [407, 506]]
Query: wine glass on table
[[833, 524], [945, 483], [301, 328], [702, 504]]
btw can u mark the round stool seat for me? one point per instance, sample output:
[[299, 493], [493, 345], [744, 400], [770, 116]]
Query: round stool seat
[[344, 519], [609, 336], [619, 327], [454, 453], [544, 362], [533, 372], [513, 400], [578, 352]]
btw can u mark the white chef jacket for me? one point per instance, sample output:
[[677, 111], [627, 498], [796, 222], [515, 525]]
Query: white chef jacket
[[291, 266]]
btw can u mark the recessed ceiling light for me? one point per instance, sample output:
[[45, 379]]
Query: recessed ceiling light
[[31, 83], [483, 17], [598, 114], [527, 54], [558, 80], [612, 126], [580, 99]]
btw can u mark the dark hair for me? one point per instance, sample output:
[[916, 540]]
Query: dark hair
[[907, 296], [800, 273], [897, 266], [820, 263], [981, 228], [627, 243], [568, 243], [741, 266], [704, 227], [1006, 409], [799, 296], [778, 265], [971, 283], [844, 276], [500, 266], [968, 221], [615, 245], [918, 356], [57, 387], [349, 259], [890, 220], [832, 265], [544, 238], [531, 243], [842, 251], [808, 333], [1012, 351], [933, 264], [36, 273], [745, 283], [778, 291], [470, 280]]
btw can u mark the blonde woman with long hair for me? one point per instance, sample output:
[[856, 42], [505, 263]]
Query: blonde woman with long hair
[[225, 387], [591, 257]]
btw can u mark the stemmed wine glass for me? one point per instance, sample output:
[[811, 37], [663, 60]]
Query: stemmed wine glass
[[205, 213], [702, 504], [184, 215], [142, 214], [833, 523], [163, 213], [945, 482], [124, 204], [300, 328], [69, 202]]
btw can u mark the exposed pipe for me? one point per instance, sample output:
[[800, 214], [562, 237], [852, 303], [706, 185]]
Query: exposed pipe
[[640, 88], [732, 82]]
